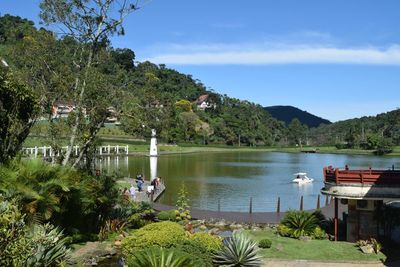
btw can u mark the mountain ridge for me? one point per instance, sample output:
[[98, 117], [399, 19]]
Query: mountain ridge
[[287, 113]]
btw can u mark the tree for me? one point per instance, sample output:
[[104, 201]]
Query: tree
[[18, 107], [90, 23], [297, 132]]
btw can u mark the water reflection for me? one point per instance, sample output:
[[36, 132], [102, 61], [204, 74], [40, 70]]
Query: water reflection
[[236, 176]]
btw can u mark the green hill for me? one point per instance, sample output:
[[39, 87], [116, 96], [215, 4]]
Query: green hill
[[288, 113]]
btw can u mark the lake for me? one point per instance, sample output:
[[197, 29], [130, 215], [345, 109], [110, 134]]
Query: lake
[[233, 177]]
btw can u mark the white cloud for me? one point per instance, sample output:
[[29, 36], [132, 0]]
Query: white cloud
[[274, 53]]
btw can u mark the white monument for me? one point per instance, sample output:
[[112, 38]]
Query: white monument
[[153, 144], [153, 155]]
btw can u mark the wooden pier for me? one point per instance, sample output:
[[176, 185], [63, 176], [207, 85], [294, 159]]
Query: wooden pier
[[147, 194], [48, 151]]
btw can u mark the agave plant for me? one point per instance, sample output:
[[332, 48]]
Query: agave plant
[[48, 246], [239, 250], [159, 257], [300, 223]]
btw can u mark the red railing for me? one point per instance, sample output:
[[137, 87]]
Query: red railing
[[369, 176]]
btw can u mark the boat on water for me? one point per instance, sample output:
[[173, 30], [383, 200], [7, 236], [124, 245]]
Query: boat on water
[[302, 178]]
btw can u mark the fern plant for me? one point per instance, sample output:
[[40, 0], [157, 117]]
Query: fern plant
[[239, 250]]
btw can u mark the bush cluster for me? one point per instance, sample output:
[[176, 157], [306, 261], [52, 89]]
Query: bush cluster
[[162, 234], [168, 215], [212, 243], [264, 243]]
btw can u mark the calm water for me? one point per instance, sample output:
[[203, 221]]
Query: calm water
[[234, 177]]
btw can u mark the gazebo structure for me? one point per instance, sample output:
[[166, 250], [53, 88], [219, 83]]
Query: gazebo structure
[[365, 192]]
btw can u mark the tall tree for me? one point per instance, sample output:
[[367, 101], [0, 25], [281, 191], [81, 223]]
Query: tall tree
[[90, 23]]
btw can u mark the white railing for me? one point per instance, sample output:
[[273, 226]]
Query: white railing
[[48, 151]]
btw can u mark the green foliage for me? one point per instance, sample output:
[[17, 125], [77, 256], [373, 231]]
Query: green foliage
[[384, 146], [13, 244], [300, 223], [184, 105], [199, 252], [20, 245], [160, 257], [182, 203], [264, 243], [110, 227], [48, 246], [168, 215], [239, 250], [365, 132], [63, 196], [18, 107], [319, 233], [163, 234], [283, 230], [212, 243]]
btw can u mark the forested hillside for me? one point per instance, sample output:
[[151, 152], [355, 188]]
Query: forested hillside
[[379, 132], [288, 113], [145, 95]]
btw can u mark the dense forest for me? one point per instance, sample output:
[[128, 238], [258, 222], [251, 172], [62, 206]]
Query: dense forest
[[146, 96]]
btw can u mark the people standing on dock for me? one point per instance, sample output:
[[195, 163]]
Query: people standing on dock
[[139, 182]]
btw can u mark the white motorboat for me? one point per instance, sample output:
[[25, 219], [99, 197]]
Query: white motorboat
[[301, 178]]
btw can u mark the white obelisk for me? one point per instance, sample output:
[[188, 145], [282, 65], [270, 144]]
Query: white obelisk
[[153, 144], [153, 155]]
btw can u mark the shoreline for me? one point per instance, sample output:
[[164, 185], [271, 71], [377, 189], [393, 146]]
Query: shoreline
[[140, 148]]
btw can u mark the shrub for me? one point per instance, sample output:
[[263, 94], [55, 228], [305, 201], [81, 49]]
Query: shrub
[[319, 233], [264, 243], [40, 245], [197, 250], [163, 234], [160, 257], [136, 221], [283, 230], [166, 215], [13, 244], [239, 250], [300, 223], [212, 243], [183, 212]]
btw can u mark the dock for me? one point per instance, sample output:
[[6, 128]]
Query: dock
[[146, 195]]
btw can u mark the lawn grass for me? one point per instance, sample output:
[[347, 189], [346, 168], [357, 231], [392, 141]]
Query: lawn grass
[[315, 250]]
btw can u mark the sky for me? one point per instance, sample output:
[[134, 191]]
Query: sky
[[337, 59]]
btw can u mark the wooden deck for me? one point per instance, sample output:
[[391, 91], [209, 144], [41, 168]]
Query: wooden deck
[[145, 195]]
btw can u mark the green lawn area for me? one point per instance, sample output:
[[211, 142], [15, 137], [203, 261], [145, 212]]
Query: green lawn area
[[317, 250]]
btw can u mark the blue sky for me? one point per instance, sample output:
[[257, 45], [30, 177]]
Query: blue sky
[[337, 59]]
